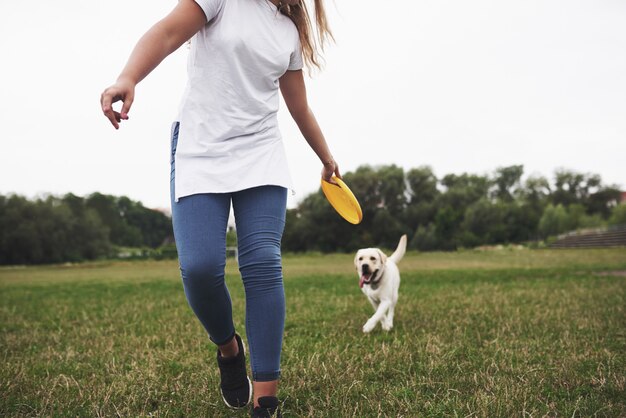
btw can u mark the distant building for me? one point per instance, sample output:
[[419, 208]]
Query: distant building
[[623, 199]]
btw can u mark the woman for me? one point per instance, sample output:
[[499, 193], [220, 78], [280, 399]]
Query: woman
[[227, 148]]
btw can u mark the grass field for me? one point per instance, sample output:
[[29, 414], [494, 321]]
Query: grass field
[[487, 334]]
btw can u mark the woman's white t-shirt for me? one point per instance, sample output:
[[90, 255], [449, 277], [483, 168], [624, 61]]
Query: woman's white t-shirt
[[228, 138]]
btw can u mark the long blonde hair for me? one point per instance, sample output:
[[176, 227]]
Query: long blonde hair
[[312, 43]]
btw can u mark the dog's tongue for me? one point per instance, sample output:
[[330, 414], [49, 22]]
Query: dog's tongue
[[362, 280]]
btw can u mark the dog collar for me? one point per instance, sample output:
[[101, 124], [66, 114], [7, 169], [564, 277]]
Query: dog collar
[[374, 283]]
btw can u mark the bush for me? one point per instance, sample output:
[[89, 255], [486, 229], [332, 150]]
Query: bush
[[554, 221], [425, 238], [167, 252], [618, 215]]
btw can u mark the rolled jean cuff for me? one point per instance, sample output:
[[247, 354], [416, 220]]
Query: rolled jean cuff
[[227, 340], [265, 376]]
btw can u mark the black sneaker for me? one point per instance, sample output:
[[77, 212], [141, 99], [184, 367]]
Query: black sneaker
[[268, 407], [235, 386]]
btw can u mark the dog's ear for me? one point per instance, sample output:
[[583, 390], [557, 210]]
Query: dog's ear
[[383, 257], [356, 261]]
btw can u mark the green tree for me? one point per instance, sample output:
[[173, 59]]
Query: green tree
[[507, 182], [387, 229], [392, 190], [603, 201], [129, 223], [554, 221], [19, 239], [536, 191], [422, 185], [578, 218], [447, 223], [457, 210], [460, 192], [521, 221], [618, 215], [153, 225], [112, 216], [485, 222], [571, 187], [425, 238], [48, 231], [422, 201], [533, 197]]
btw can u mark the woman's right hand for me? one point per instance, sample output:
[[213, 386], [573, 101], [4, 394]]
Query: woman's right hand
[[162, 39], [122, 90]]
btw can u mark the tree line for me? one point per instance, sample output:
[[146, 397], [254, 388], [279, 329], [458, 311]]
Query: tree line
[[72, 228], [454, 211], [447, 213]]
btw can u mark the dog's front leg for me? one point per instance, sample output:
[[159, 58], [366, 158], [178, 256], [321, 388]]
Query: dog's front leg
[[387, 322], [378, 315]]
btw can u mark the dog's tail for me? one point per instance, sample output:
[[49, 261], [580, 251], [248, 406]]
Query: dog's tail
[[399, 252]]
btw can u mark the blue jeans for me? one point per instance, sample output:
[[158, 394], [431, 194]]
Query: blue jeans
[[200, 223]]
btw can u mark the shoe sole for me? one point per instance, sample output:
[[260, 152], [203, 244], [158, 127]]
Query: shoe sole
[[249, 386]]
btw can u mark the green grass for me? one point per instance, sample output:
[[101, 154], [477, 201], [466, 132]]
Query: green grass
[[488, 334]]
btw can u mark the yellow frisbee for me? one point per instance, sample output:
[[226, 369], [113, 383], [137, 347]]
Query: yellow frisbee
[[342, 199]]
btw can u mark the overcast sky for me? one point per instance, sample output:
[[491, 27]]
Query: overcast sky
[[462, 86]]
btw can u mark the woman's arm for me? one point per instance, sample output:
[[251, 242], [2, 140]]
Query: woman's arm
[[165, 37], [294, 92]]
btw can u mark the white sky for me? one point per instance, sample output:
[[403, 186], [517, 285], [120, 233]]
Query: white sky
[[462, 86]]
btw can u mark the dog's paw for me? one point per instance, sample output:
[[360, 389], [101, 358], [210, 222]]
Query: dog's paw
[[387, 326], [368, 327]]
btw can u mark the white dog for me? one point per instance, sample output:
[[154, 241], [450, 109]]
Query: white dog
[[379, 279]]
